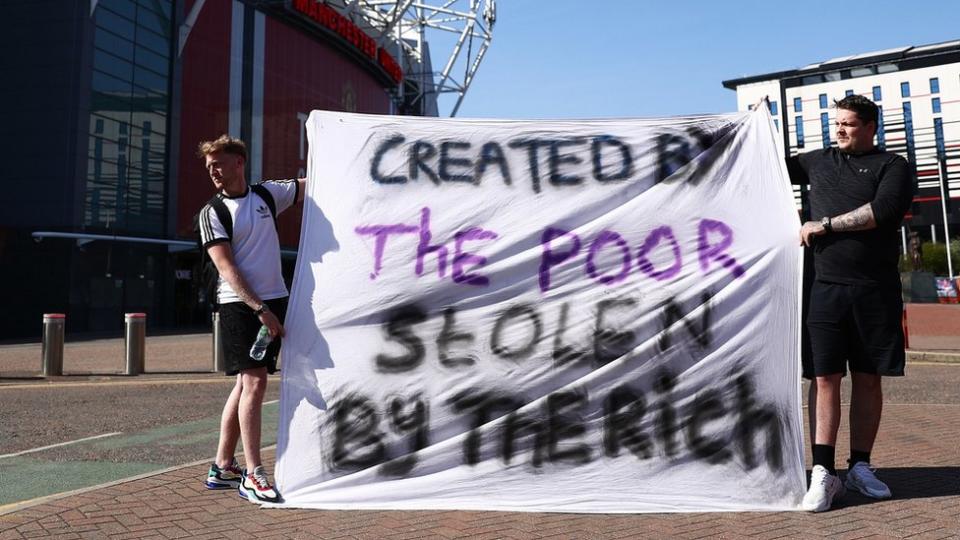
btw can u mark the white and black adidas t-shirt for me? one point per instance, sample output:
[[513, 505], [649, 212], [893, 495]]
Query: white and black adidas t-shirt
[[255, 244]]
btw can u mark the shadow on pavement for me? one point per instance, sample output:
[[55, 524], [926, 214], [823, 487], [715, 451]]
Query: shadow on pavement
[[909, 483]]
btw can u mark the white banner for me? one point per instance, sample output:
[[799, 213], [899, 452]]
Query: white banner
[[577, 316]]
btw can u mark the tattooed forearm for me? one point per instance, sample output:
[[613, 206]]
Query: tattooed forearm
[[860, 219]]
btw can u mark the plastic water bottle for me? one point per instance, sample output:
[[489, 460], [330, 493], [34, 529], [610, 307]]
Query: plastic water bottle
[[259, 348]]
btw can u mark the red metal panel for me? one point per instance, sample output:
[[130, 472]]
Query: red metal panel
[[204, 105], [302, 73]]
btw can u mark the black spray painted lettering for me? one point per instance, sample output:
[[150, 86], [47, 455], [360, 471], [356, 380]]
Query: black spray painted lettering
[[458, 161], [558, 159], [482, 406], [665, 421], [397, 327], [357, 439], [448, 337], [558, 433], [672, 313], [707, 407], [453, 168], [384, 147], [492, 154], [676, 150], [600, 168], [609, 343], [513, 317], [523, 325], [419, 153], [408, 417], [565, 423], [622, 411], [559, 247]]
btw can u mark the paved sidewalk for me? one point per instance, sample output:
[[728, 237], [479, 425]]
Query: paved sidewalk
[[917, 448]]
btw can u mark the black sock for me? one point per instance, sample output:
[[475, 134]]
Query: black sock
[[857, 455], [823, 455]]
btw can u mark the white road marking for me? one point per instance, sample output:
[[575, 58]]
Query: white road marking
[[32, 450]]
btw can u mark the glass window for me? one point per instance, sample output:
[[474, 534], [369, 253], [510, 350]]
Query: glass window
[[127, 169], [934, 85], [150, 80], [908, 126], [123, 7], [823, 101], [773, 108], [153, 61], [147, 18], [112, 22], [113, 43], [935, 102], [938, 134], [111, 85], [848, 93], [799, 122], [825, 129], [877, 96], [112, 65], [776, 124], [905, 89], [881, 134], [797, 104], [155, 42]]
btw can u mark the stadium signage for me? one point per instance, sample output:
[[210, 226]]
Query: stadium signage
[[328, 18]]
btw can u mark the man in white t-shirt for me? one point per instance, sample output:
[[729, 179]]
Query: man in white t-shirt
[[238, 231]]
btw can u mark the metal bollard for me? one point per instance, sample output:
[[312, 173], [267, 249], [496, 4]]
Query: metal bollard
[[52, 354], [218, 361], [135, 341]]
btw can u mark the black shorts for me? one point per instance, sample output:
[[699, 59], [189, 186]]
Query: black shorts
[[856, 324], [238, 330]]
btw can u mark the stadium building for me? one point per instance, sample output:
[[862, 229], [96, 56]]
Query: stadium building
[[105, 102], [918, 91]]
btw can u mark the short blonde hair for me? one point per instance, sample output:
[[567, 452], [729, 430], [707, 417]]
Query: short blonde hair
[[224, 143]]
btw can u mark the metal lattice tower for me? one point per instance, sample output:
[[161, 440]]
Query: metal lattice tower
[[426, 29]]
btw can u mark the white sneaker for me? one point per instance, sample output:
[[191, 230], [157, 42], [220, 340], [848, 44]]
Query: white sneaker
[[862, 478], [824, 487]]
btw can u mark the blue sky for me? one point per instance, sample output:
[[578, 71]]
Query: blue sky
[[610, 58]]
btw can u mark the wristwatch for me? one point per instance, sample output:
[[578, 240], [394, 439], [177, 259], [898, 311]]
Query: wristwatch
[[261, 309], [825, 223]]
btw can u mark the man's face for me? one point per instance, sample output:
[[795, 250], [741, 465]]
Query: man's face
[[224, 169], [853, 136]]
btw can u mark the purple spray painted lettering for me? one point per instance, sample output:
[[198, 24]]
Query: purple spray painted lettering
[[551, 258], [653, 240], [424, 248], [604, 238], [462, 258], [382, 232], [716, 252]]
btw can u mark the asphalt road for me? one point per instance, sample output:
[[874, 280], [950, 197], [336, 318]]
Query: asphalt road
[[152, 422], [113, 428]]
